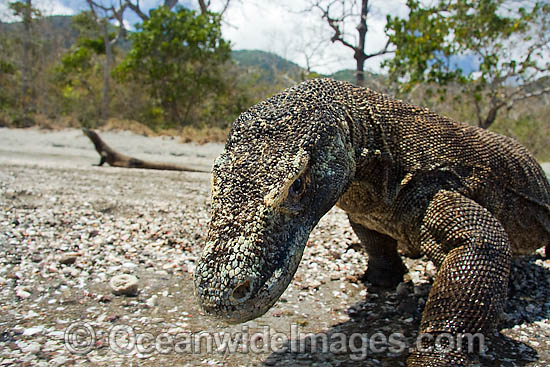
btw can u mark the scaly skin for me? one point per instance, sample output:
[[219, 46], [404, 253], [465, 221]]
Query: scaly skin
[[408, 178]]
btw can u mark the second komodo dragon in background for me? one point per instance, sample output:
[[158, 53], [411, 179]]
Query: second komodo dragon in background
[[406, 177]]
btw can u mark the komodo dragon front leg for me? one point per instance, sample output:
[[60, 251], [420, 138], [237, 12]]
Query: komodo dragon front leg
[[385, 267], [472, 251]]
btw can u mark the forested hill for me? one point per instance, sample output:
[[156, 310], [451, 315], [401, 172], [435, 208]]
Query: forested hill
[[56, 28], [270, 65]]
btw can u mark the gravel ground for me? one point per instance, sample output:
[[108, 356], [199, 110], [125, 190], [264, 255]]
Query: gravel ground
[[67, 228]]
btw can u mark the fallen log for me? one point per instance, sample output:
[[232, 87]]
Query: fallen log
[[113, 158]]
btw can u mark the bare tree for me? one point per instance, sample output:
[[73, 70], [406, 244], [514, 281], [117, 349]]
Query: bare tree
[[337, 13], [110, 13], [25, 72], [204, 6], [310, 42], [137, 9], [510, 84]]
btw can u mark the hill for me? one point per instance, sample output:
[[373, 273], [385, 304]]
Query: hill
[[374, 81], [53, 29], [271, 67]]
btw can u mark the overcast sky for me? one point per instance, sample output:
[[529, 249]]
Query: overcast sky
[[280, 26]]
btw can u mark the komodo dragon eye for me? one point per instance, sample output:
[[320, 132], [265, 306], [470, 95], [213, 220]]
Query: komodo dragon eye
[[298, 187]]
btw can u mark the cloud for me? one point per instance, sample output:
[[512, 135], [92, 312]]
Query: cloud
[[57, 7], [5, 13], [127, 25], [46, 7], [283, 27]]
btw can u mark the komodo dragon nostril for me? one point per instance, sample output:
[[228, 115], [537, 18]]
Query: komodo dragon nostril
[[242, 292]]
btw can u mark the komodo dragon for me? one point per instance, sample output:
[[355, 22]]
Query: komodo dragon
[[406, 177]]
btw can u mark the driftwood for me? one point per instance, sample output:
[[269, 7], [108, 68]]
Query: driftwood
[[116, 159]]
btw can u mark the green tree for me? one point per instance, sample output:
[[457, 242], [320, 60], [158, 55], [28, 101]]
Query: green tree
[[79, 69], [179, 56], [503, 44], [28, 13], [110, 13], [7, 72]]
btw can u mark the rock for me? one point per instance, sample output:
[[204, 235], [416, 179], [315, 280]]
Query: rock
[[153, 301], [22, 293], [404, 289], [31, 314], [69, 258], [176, 330], [13, 275], [104, 298], [124, 284], [32, 347], [129, 265], [58, 361], [33, 330], [408, 306]]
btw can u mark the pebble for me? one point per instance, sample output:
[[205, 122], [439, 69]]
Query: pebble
[[403, 289], [33, 330], [32, 348], [31, 314], [129, 265], [68, 258], [153, 301], [124, 284], [58, 361], [22, 293]]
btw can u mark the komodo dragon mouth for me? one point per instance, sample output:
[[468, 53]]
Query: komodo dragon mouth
[[237, 296]]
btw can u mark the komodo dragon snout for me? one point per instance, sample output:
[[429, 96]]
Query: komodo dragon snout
[[268, 192]]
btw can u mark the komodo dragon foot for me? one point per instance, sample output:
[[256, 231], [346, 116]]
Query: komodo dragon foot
[[437, 358], [385, 268]]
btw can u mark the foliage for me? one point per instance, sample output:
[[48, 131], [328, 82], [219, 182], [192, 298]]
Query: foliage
[[530, 128], [24, 10], [85, 24], [81, 75], [179, 56], [79, 70], [7, 71], [493, 50], [30, 48], [378, 82]]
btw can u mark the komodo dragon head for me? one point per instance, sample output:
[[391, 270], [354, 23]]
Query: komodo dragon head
[[286, 162]]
